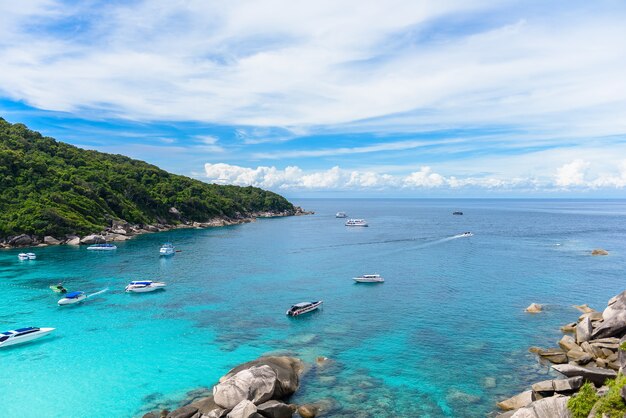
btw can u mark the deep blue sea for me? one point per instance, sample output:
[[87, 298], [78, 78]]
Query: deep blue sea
[[445, 336]]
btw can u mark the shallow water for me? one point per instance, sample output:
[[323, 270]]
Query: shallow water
[[425, 343]]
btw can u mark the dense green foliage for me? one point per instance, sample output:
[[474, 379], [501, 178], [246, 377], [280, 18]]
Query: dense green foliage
[[52, 188], [612, 404], [580, 404]]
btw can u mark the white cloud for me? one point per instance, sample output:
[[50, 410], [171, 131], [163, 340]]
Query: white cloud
[[384, 66], [572, 174], [336, 178]]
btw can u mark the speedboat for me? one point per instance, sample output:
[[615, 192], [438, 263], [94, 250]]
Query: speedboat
[[166, 249], [458, 212], [102, 247], [22, 256], [31, 256], [22, 335], [141, 286], [467, 234], [303, 307], [341, 215], [58, 288], [356, 222], [73, 297], [369, 278]]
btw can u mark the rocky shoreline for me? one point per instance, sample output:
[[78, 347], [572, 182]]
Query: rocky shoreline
[[257, 389], [120, 230], [592, 358]]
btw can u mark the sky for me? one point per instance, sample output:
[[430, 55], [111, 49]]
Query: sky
[[333, 98]]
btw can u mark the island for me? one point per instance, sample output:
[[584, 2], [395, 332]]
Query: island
[[55, 193]]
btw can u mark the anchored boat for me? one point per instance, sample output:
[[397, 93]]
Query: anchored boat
[[356, 222], [166, 249], [102, 247], [142, 286], [22, 335], [303, 307], [73, 297], [341, 215], [369, 278]]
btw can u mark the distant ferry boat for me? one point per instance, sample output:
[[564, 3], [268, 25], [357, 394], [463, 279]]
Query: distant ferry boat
[[356, 222], [341, 215], [369, 278], [27, 256], [142, 286], [102, 247], [166, 249], [458, 212]]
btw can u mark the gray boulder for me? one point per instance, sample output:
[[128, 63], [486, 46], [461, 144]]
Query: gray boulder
[[614, 315], [518, 401], [553, 355], [244, 409], [255, 384], [568, 343], [209, 408], [595, 375], [72, 240], [579, 356], [287, 369], [50, 240], [553, 407], [276, 409], [583, 331], [184, 412], [562, 386], [92, 239], [21, 241]]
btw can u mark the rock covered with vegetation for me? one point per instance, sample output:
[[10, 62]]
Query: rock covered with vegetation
[[592, 360], [49, 188]]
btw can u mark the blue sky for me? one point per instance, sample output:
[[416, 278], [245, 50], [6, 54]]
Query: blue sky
[[396, 98]]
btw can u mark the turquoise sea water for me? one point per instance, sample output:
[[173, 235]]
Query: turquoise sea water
[[425, 343]]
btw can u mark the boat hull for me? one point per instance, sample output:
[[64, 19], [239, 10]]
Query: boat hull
[[68, 301], [26, 338], [306, 310], [145, 289], [363, 280]]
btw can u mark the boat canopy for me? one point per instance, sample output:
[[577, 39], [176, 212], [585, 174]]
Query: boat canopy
[[145, 282], [19, 330], [74, 295]]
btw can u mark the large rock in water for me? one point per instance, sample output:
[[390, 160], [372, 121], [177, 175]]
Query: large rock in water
[[553, 407], [255, 384], [614, 324], [93, 239], [583, 331], [50, 240], [21, 240], [244, 409], [599, 251], [595, 375], [287, 369], [534, 308], [518, 401], [276, 409]]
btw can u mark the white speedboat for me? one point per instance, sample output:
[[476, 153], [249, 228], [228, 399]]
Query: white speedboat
[[141, 286], [102, 247], [72, 297], [22, 335], [467, 234], [369, 278], [303, 307], [341, 215], [31, 256], [22, 256], [166, 249], [356, 222]]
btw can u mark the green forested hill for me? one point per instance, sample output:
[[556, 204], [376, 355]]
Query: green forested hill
[[52, 188]]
